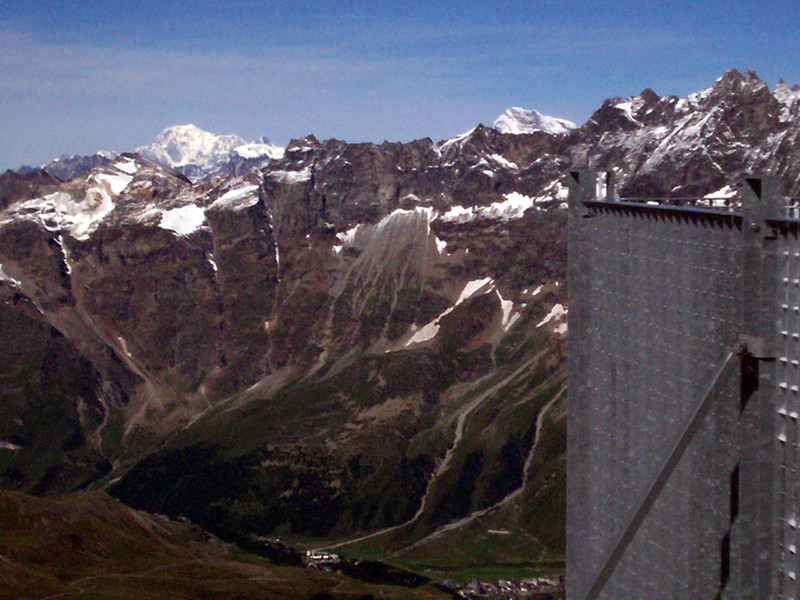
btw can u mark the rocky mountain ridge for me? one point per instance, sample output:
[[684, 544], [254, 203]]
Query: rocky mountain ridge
[[358, 342], [68, 167], [198, 153]]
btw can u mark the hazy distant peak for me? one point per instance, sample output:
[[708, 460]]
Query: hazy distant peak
[[181, 145], [197, 152]]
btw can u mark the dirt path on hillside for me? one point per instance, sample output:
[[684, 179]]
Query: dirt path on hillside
[[464, 414], [498, 505]]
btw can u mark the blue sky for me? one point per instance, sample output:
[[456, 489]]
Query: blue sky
[[76, 77]]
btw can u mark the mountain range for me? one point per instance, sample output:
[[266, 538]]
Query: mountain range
[[197, 153], [359, 345]]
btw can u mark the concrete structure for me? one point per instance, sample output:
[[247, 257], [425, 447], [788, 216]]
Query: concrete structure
[[684, 371]]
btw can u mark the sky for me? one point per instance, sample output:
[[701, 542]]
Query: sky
[[80, 76]]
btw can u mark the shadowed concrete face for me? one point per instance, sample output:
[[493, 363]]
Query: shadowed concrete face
[[672, 470]]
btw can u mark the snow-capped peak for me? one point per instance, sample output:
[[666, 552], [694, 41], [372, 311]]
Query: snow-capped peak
[[182, 145], [519, 120], [197, 153]]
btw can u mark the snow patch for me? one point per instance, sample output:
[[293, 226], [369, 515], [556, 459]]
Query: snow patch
[[788, 97], [720, 198], [237, 198], [458, 214], [65, 253], [292, 177], [513, 207], [87, 215], [184, 220], [401, 215], [535, 292], [348, 237], [116, 182], [127, 166], [514, 318], [693, 101], [259, 150], [124, 346], [429, 331], [506, 306], [626, 107], [503, 162], [470, 289], [454, 141], [5, 277], [727, 191], [80, 215], [60, 211], [556, 312]]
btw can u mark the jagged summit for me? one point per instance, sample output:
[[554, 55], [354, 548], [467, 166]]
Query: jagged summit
[[518, 120]]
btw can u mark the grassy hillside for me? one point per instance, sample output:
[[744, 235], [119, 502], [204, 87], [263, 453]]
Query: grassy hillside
[[90, 546]]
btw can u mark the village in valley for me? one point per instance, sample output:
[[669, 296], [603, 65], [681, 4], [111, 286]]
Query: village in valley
[[549, 587]]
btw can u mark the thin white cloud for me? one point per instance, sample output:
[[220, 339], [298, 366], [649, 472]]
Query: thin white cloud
[[350, 81], [29, 64]]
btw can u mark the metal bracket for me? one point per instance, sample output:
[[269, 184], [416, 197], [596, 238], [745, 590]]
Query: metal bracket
[[755, 347]]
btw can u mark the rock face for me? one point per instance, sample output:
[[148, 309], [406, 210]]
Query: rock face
[[341, 339], [32, 184]]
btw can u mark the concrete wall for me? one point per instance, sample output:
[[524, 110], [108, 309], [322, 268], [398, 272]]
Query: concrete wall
[[661, 299]]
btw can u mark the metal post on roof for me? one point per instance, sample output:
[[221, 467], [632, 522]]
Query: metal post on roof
[[582, 183], [611, 186], [755, 527]]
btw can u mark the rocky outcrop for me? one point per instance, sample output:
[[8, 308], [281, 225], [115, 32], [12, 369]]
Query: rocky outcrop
[[33, 184]]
